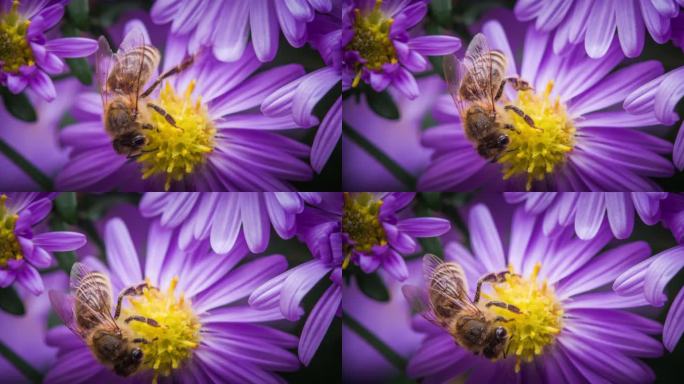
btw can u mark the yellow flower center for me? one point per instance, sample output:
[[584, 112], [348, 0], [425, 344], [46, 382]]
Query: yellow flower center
[[14, 49], [176, 151], [371, 39], [537, 151], [361, 223], [9, 245], [539, 322], [178, 334]]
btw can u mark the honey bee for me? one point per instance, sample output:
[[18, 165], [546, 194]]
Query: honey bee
[[473, 325], [121, 78], [476, 84], [87, 312]]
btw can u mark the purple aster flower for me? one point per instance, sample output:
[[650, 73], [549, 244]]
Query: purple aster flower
[[300, 97], [225, 25], [595, 22], [576, 107], [568, 330], [379, 47], [205, 334], [660, 97], [22, 251], [27, 56], [649, 278], [376, 232], [320, 228], [224, 142], [673, 215], [227, 220], [589, 211]]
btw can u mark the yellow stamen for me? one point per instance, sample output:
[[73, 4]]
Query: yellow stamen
[[536, 152], [361, 222], [176, 152], [173, 342], [15, 50], [540, 321], [371, 39], [9, 245]]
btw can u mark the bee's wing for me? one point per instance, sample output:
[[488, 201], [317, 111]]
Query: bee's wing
[[478, 63], [64, 307], [453, 74], [419, 302], [449, 283], [137, 53], [93, 296], [104, 59]]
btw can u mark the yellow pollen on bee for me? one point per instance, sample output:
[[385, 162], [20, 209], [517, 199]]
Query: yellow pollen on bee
[[371, 40], [175, 152], [536, 152], [15, 50], [178, 334], [539, 322], [9, 245], [361, 222]]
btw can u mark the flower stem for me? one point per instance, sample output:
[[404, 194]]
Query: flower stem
[[375, 342], [20, 161], [392, 166], [20, 364]]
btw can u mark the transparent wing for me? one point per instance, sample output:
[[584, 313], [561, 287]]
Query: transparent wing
[[447, 280], [419, 302], [131, 55], [453, 70], [94, 295], [478, 63], [103, 65], [64, 307]]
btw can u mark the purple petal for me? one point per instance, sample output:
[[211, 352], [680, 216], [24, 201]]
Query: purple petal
[[231, 40], [59, 241], [39, 258], [89, 167], [424, 226], [72, 46], [395, 265], [244, 314], [298, 284], [484, 236], [328, 135], [630, 27], [631, 281], [669, 92], [42, 85], [661, 271], [255, 223], [121, 253], [605, 300], [309, 92], [30, 279], [590, 212], [406, 83], [678, 152], [657, 25], [674, 322], [226, 226], [318, 322], [282, 221], [264, 27], [620, 213], [435, 45], [600, 28]]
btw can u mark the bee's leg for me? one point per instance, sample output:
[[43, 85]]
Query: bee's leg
[[164, 114], [134, 290], [503, 305], [175, 70], [520, 113], [511, 127], [518, 83], [141, 340], [502, 319], [142, 319], [500, 91], [492, 277], [149, 126]]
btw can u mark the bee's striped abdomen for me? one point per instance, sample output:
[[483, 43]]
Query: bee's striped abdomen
[[93, 300], [133, 69]]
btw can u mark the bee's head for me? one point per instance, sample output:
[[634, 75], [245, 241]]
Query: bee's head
[[496, 342], [129, 143], [129, 362]]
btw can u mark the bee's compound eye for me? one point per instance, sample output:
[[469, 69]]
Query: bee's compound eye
[[501, 333], [136, 354], [502, 140], [138, 141]]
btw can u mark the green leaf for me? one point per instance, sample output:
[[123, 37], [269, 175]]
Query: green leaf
[[18, 106], [441, 9], [10, 302], [383, 104], [66, 206], [81, 69], [78, 12], [372, 286]]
